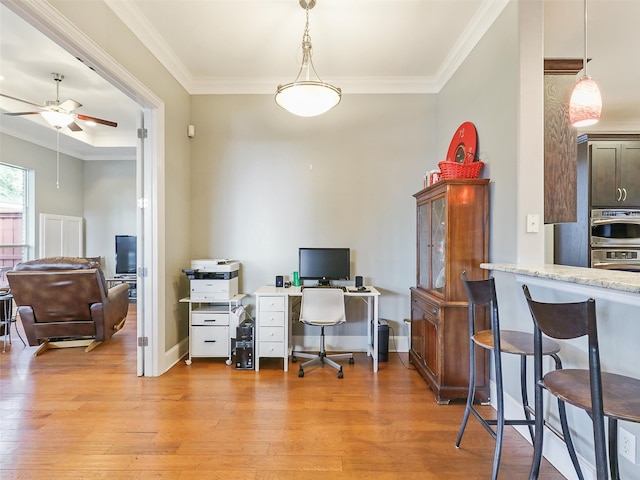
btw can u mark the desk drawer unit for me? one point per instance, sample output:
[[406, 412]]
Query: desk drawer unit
[[209, 341], [271, 333], [210, 319]]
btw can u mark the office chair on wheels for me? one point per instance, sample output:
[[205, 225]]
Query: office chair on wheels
[[600, 394], [480, 293], [322, 307]]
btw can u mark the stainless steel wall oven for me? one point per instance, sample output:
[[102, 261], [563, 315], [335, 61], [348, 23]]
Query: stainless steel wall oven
[[615, 239]]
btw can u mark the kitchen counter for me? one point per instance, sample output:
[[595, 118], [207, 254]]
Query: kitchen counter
[[613, 279]]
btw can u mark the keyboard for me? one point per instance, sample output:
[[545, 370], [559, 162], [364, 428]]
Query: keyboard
[[344, 289]]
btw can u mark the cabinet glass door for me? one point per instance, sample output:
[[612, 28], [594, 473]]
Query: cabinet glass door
[[423, 245], [438, 244]]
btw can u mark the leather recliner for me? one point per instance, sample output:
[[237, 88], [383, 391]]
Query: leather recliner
[[67, 298]]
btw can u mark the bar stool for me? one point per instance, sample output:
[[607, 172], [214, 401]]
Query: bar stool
[[481, 293], [7, 318], [598, 393]]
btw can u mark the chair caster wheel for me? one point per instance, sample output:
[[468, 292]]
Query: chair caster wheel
[[340, 374], [228, 362], [294, 359], [351, 361], [300, 373], [188, 361]]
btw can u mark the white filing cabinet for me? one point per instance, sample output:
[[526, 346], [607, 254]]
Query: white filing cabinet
[[211, 326], [272, 328]]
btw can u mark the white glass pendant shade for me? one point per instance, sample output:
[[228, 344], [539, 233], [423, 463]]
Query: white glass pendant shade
[[585, 104], [57, 119], [307, 95], [307, 98]]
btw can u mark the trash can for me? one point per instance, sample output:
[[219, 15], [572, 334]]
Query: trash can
[[383, 340]]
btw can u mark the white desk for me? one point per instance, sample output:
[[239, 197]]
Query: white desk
[[273, 322]]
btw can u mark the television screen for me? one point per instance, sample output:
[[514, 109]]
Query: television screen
[[324, 264], [126, 258]]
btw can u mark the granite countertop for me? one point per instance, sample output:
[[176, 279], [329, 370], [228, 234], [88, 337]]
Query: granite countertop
[[612, 279]]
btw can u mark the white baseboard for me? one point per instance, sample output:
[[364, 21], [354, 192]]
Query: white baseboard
[[175, 354]]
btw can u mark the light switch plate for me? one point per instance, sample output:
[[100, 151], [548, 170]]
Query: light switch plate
[[533, 223]]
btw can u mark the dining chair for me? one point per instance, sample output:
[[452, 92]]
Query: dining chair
[[600, 394]]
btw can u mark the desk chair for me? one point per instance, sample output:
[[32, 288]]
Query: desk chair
[[483, 293], [598, 393], [322, 307]]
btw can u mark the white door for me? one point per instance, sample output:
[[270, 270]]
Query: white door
[[61, 236]]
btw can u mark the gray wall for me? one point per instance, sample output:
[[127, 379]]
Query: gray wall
[[109, 207], [102, 192], [265, 182], [68, 199]]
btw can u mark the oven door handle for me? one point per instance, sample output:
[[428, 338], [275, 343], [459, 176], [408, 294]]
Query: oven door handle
[[633, 267], [606, 221]]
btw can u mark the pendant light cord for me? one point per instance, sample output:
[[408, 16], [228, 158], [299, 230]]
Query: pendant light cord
[[585, 38], [58, 158]]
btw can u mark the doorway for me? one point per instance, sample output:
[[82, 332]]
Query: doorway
[[149, 165]]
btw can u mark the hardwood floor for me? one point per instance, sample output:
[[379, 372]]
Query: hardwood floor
[[67, 414]]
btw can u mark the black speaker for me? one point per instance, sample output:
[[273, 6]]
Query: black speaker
[[359, 281], [279, 281]]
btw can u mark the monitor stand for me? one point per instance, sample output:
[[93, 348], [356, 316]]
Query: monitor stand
[[324, 282]]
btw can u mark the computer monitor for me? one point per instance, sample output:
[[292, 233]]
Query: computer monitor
[[324, 264]]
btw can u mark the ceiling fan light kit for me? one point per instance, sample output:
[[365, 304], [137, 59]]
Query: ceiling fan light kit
[[57, 119], [585, 104], [60, 114], [307, 95]]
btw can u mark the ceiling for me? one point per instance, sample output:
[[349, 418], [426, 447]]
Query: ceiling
[[251, 46]]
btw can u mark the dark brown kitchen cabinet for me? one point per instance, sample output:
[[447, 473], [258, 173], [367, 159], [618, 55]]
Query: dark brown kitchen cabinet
[[615, 174], [452, 237]]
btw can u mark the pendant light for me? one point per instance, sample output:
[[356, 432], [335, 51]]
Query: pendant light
[[307, 96], [585, 104]]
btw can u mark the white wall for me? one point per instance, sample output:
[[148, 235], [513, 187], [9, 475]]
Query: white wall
[[265, 183]]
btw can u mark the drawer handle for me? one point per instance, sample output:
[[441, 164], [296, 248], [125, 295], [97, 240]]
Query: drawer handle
[[211, 320], [210, 341], [434, 310]]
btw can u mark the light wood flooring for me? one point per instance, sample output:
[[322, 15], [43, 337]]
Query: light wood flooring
[[67, 414]]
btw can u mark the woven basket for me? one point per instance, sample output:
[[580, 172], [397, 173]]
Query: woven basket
[[460, 170]]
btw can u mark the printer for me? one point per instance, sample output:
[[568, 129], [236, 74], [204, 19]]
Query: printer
[[213, 279]]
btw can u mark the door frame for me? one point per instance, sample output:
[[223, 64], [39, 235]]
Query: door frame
[[49, 21]]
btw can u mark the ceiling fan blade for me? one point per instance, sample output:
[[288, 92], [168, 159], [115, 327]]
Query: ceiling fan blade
[[20, 100], [87, 118], [69, 105], [15, 114], [74, 127]]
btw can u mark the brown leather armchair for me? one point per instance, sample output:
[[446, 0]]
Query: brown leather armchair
[[67, 298]]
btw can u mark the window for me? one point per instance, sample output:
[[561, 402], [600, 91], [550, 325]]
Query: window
[[14, 218]]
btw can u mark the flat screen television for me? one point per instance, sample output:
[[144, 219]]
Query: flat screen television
[[126, 255], [324, 264]]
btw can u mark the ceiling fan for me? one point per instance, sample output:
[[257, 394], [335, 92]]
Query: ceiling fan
[[58, 114]]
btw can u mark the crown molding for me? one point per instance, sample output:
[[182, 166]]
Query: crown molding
[[134, 19]]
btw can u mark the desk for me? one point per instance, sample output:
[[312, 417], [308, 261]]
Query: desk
[[273, 322]]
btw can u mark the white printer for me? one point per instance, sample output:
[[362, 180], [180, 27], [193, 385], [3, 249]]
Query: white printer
[[213, 279]]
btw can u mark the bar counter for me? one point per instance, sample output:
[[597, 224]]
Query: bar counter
[[623, 286]]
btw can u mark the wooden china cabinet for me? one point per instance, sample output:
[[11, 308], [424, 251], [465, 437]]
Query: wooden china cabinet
[[452, 237]]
